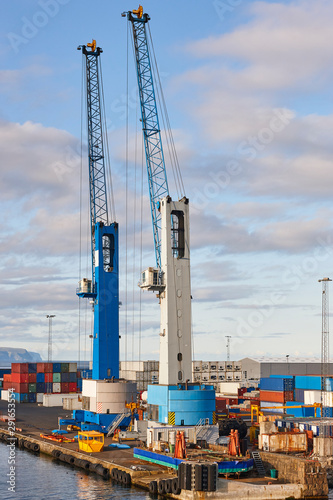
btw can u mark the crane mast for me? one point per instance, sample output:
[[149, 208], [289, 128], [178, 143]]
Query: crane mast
[[103, 288], [170, 221]]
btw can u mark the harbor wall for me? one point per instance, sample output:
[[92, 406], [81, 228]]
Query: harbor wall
[[300, 471]]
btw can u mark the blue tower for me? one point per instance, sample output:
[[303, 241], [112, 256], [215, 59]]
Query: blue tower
[[103, 288]]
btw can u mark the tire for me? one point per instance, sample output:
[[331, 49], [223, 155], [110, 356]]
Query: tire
[[153, 487], [114, 473], [175, 486], [127, 479], [161, 487], [34, 447], [120, 476], [168, 486]]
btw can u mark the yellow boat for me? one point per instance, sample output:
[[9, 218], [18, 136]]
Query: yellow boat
[[91, 441]]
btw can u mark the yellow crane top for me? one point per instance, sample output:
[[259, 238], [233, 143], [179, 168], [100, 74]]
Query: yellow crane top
[[138, 11], [92, 45]]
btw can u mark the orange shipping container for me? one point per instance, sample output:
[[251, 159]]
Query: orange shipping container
[[20, 378], [276, 396], [7, 377]]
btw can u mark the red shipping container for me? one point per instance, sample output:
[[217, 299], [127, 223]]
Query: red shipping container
[[49, 378], [65, 387], [22, 388], [277, 396], [32, 378], [72, 387], [7, 377], [20, 368], [48, 367], [20, 378], [221, 405], [40, 367], [241, 391], [7, 385]]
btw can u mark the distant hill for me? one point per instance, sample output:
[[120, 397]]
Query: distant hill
[[10, 355]]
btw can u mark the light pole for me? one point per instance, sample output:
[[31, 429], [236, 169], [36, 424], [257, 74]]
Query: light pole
[[49, 351]]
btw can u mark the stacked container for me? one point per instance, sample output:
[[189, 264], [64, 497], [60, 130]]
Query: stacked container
[[276, 391], [31, 381], [143, 373]]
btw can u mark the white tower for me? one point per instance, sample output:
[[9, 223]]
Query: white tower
[[175, 298]]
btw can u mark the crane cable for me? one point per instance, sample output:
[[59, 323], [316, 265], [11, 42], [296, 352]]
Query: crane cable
[[166, 122]]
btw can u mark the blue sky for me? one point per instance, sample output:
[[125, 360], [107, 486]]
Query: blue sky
[[248, 87]]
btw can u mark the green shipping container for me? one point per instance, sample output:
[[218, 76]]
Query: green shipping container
[[64, 367], [56, 378], [32, 387]]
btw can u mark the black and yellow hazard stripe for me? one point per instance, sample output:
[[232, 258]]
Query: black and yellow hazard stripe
[[171, 418], [214, 418]]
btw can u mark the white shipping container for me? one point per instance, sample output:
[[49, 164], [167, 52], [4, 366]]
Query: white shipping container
[[237, 365], [136, 366], [72, 404], [4, 395], [229, 376], [311, 397], [204, 366], [229, 387], [229, 365], [139, 376], [54, 399], [205, 376], [56, 387], [213, 366], [213, 376], [128, 374], [221, 366], [39, 397], [237, 376], [197, 377], [72, 367]]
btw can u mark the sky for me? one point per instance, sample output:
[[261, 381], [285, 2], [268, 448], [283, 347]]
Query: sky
[[248, 87]]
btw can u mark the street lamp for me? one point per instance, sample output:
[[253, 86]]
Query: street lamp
[[49, 351]]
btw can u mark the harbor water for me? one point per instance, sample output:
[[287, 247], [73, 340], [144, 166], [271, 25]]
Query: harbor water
[[39, 477]]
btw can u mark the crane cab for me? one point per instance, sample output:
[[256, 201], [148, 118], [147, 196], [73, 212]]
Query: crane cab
[[151, 280]]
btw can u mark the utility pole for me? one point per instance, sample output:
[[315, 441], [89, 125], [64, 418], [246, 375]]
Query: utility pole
[[228, 337], [49, 351], [324, 349]]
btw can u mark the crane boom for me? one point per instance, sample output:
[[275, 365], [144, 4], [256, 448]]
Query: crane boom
[[157, 177], [103, 288]]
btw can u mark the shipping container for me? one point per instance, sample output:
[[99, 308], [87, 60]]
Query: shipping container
[[48, 387], [229, 376], [48, 367], [32, 378], [56, 367], [56, 387], [56, 399], [32, 367], [20, 378], [221, 366], [56, 378], [71, 404], [276, 384], [21, 388], [213, 376], [7, 385], [213, 366], [72, 377], [205, 366], [229, 387], [40, 367], [40, 378], [32, 397], [299, 395], [19, 367], [197, 377], [64, 377], [39, 397], [64, 367], [23, 397], [277, 396], [72, 367], [267, 404], [40, 387], [4, 395], [7, 377], [64, 388], [205, 376], [32, 388], [72, 387], [48, 377]]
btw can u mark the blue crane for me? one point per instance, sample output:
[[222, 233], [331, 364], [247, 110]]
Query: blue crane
[[103, 288], [157, 177]]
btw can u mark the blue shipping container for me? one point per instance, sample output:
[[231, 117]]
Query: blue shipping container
[[40, 377], [56, 367], [32, 367], [312, 382], [276, 384], [32, 397], [40, 387]]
